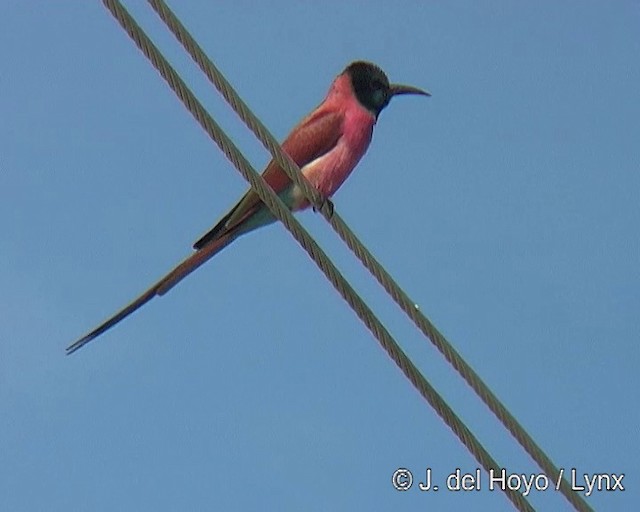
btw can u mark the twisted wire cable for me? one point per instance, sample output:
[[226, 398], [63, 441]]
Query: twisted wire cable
[[278, 208], [368, 260]]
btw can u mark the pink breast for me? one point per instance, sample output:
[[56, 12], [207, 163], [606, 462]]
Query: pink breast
[[329, 172]]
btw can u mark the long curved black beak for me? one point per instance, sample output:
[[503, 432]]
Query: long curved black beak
[[396, 89]]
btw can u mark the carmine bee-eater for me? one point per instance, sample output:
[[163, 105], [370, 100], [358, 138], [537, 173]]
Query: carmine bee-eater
[[326, 145]]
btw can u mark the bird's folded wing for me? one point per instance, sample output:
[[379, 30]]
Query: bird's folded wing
[[316, 135]]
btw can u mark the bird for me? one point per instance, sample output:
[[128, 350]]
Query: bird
[[327, 144]]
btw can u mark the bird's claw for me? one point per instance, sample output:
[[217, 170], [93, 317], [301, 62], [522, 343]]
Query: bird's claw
[[329, 204]]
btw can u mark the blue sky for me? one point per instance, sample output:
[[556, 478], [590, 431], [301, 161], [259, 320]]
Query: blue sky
[[506, 205]]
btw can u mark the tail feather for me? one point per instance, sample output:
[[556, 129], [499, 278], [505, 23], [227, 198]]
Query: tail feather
[[160, 288], [192, 263], [214, 232]]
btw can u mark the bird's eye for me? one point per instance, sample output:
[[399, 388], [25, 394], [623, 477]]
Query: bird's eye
[[378, 93], [379, 96]]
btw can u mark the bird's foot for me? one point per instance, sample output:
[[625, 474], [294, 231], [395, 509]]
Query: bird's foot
[[329, 204]]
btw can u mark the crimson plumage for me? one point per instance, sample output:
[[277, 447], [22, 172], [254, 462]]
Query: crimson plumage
[[326, 145]]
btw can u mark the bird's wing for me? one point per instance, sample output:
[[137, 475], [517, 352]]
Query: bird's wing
[[315, 136]]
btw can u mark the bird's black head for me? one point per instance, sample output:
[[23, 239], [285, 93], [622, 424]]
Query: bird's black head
[[372, 88]]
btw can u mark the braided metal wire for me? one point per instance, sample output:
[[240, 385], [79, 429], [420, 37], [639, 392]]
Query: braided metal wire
[[278, 208], [368, 260]]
